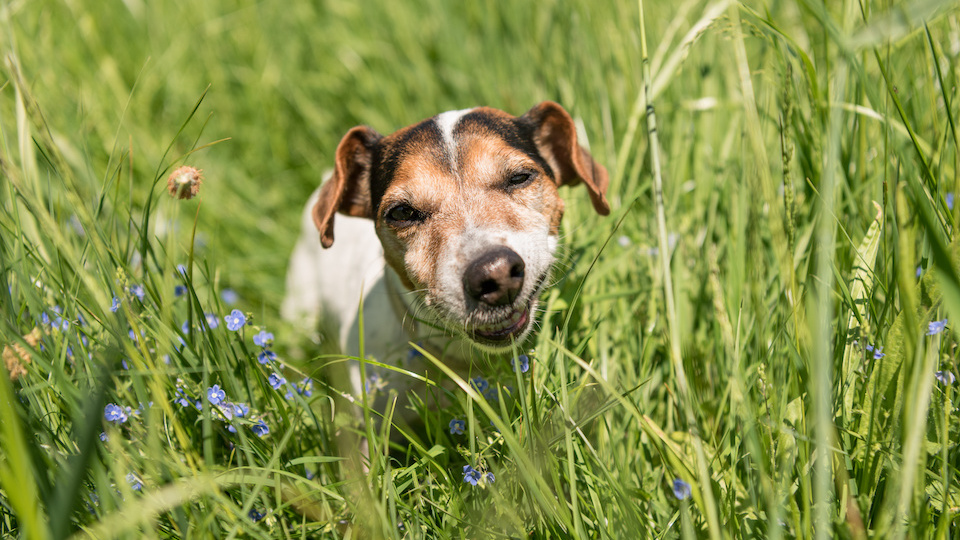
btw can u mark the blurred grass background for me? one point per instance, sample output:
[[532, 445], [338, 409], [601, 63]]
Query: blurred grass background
[[809, 159], [288, 80]]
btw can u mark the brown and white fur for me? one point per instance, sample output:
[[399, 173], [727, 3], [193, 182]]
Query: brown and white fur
[[447, 231]]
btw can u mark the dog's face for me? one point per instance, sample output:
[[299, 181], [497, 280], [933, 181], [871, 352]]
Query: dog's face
[[467, 209]]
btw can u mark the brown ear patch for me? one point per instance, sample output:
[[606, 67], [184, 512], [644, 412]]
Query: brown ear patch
[[555, 136], [348, 190]]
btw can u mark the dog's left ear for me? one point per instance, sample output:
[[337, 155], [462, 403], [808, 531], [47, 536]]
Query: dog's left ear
[[555, 136]]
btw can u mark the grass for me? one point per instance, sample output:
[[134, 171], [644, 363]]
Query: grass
[[752, 320]]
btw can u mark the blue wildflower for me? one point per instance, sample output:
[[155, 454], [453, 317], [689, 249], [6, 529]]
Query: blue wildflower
[[413, 353], [213, 321], [229, 296], [878, 353], [240, 409], [180, 398], [137, 290], [263, 339], [235, 320], [919, 270], [260, 429], [135, 483], [254, 515], [59, 323], [266, 356], [115, 305], [103, 436], [185, 327], [374, 382], [480, 384], [936, 327], [182, 270], [475, 477], [114, 413], [470, 475], [225, 412], [215, 395], [198, 405], [681, 489], [945, 377], [457, 427], [276, 380], [523, 362], [179, 290], [305, 387], [949, 200]]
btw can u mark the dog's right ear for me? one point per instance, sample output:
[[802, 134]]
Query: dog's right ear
[[348, 190]]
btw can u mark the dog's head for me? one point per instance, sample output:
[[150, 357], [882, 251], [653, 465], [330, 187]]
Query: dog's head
[[467, 209]]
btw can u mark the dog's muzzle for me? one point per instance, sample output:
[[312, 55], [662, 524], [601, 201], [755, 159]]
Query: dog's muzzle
[[494, 281]]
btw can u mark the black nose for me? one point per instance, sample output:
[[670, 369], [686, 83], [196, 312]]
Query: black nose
[[494, 278]]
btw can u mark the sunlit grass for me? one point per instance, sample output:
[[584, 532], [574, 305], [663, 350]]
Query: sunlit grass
[[776, 375]]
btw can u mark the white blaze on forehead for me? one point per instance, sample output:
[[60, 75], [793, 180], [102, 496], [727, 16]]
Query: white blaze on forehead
[[447, 122]]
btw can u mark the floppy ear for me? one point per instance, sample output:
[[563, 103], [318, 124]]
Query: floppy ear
[[555, 136], [348, 190]]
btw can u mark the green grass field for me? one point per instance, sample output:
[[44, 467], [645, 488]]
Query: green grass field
[[784, 373]]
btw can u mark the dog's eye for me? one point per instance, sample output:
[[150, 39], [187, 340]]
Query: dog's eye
[[403, 215], [519, 179]]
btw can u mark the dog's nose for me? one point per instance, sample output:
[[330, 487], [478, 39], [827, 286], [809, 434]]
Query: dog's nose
[[494, 278]]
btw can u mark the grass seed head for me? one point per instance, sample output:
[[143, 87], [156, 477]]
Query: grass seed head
[[17, 357], [184, 183]]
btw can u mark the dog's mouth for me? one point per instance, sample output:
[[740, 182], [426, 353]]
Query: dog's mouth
[[494, 329], [498, 330], [507, 328]]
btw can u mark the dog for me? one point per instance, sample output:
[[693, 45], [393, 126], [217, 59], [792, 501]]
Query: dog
[[446, 233]]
